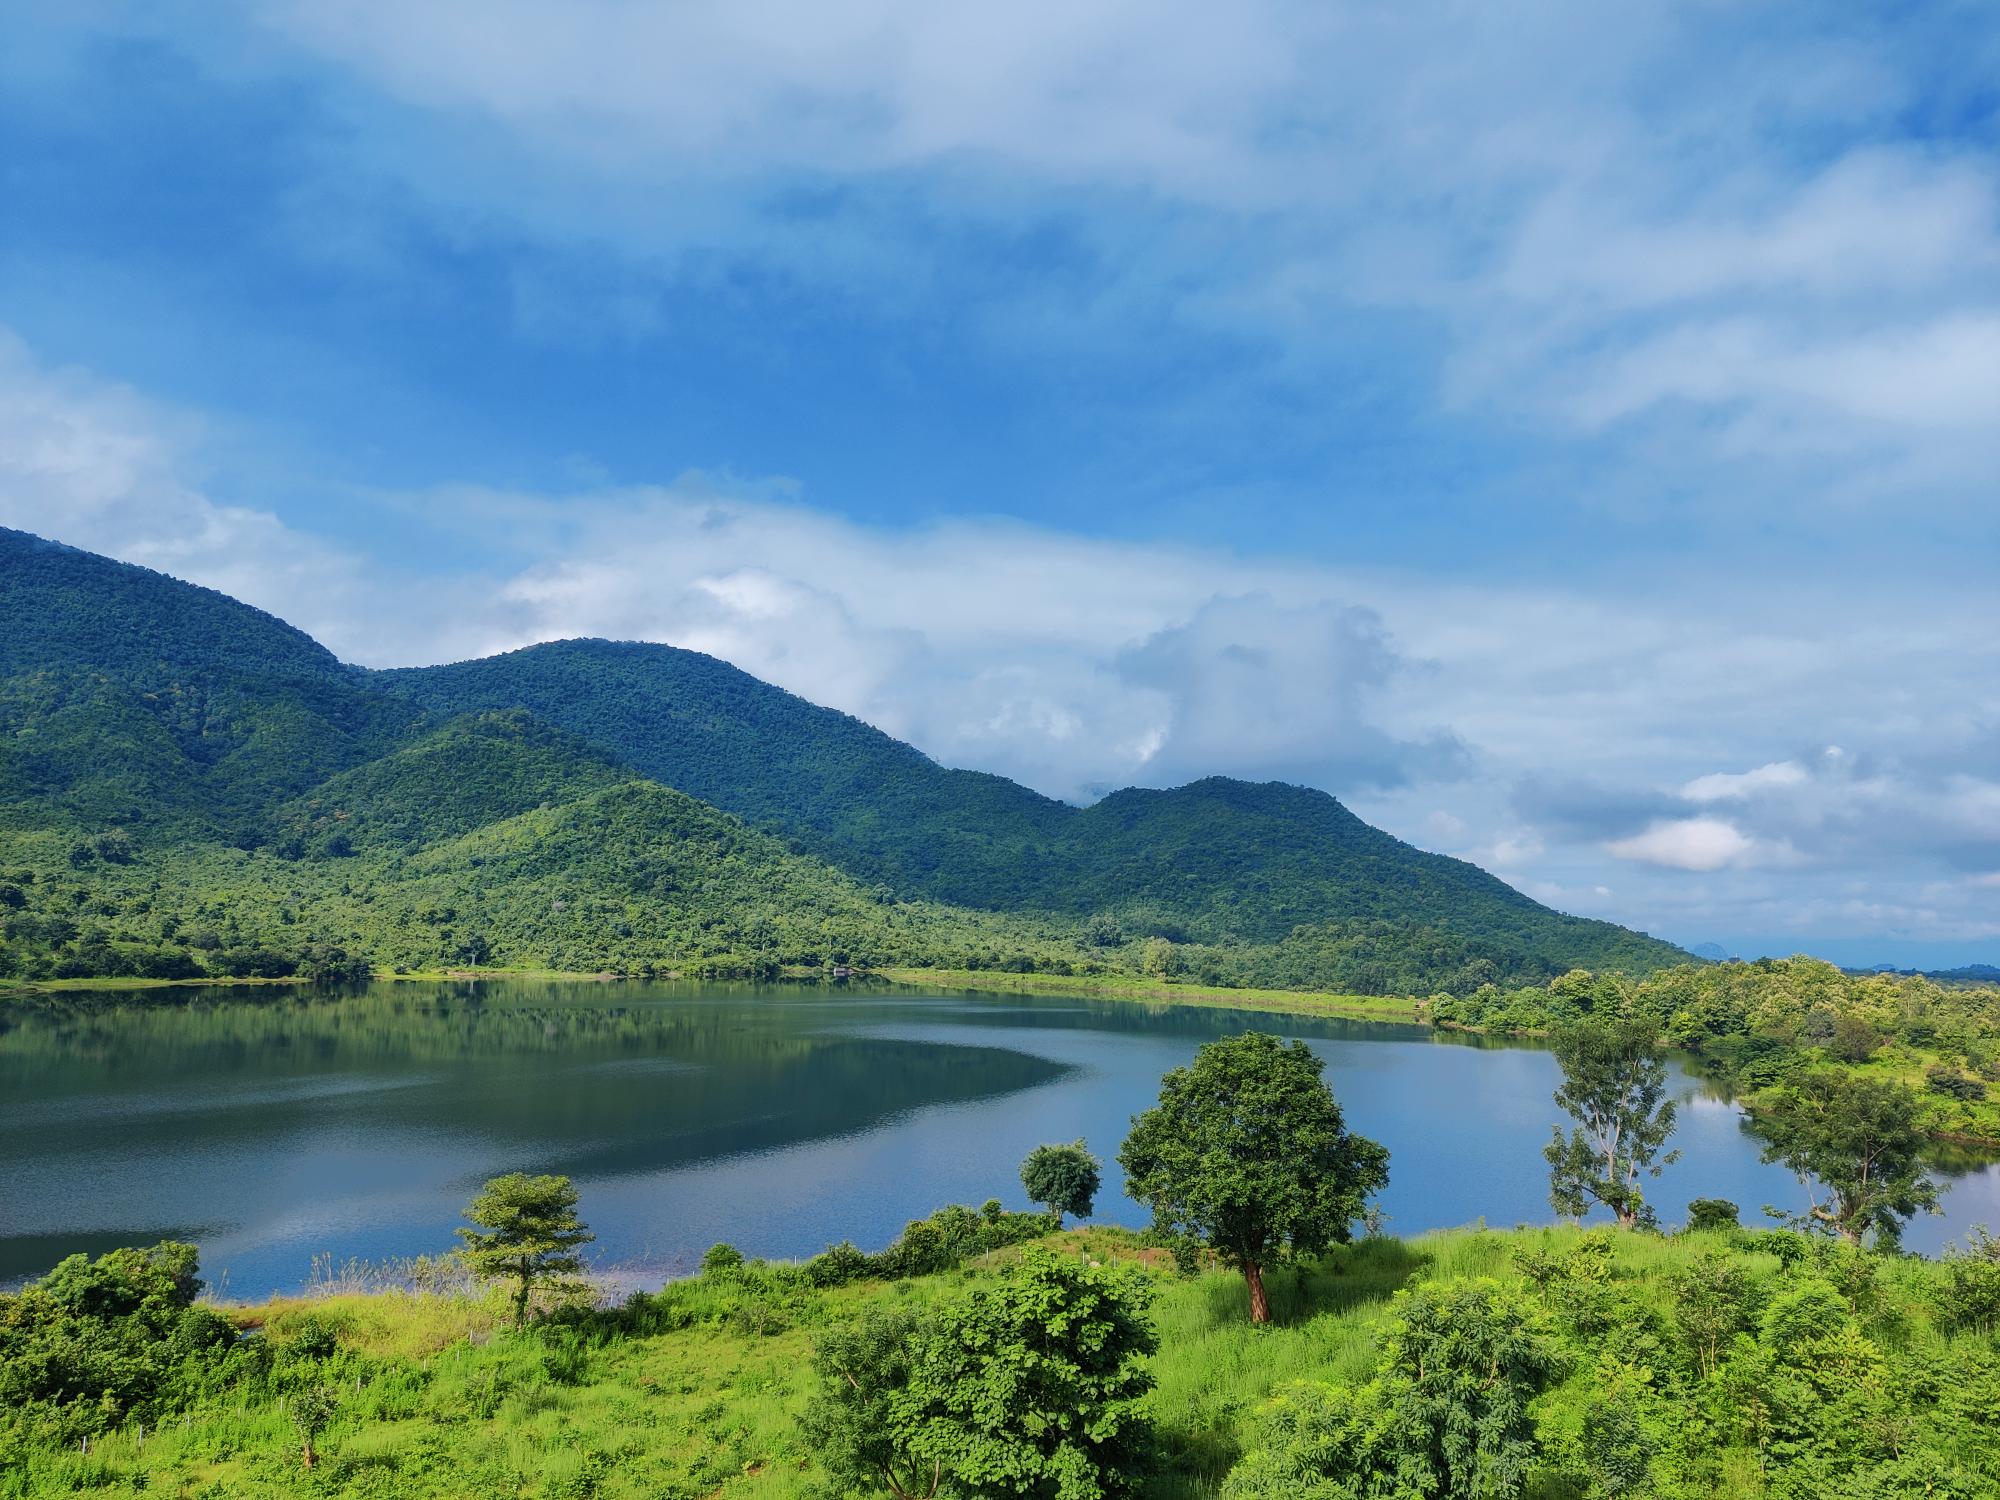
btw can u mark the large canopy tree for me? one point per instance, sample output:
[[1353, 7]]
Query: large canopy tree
[[1247, 1152], [1855, 1144]]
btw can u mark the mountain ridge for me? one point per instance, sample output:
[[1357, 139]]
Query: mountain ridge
[[170, 722]]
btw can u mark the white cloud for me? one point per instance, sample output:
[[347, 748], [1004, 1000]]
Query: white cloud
[[1725, 786], [100, 466], [1687, 844], [1609, 219], [1076, 664]]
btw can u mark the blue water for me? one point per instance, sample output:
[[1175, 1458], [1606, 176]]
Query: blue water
[[270, 1127]]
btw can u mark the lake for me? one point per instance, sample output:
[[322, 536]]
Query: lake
[[270, 1126]]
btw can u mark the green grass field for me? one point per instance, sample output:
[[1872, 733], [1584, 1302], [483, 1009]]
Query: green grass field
[[438, 1398]]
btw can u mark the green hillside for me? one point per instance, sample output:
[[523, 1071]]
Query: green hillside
[[1216, 862], [187, 783], [130, 698]]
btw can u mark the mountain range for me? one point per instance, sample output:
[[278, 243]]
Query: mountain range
[[188, 784]]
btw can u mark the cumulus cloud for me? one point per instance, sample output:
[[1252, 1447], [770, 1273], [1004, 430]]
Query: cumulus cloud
[[1687, 844], [1284, 690]]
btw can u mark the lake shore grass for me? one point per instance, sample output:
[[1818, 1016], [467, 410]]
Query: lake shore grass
[[1400, 1009], [1156, 991]]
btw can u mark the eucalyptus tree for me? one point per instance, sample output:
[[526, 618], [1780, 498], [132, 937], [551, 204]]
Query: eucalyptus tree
[[1615, 1087]]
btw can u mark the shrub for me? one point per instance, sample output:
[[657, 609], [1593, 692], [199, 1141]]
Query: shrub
[[1708, 1214], [721, 1260]]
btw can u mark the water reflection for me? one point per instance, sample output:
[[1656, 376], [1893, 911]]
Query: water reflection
[[270, 1125]]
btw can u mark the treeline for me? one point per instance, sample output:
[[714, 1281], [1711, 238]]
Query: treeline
[[1767, 1024]]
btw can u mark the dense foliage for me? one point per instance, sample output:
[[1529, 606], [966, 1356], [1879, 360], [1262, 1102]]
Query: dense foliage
[[1769, 1024], [1247, 1154], [174, 764], [1553, 1364], [1028, 1388]]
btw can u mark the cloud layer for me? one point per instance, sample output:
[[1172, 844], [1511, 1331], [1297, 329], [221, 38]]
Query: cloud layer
[[1602, 754]]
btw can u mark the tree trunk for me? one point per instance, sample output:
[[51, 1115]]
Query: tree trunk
[[1260, 1303], [311, 1457]]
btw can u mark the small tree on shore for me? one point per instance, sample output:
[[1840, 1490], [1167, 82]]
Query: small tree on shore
[[528, 1234], [1063, 1179], [311, 1411], [1247, 1152], [1614, 1085]]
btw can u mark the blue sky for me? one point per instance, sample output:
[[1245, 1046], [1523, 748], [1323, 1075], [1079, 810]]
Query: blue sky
[[1565, 432]]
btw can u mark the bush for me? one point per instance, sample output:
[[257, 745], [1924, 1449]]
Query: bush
[[721, 1260], [93, 1342], [1953, 1084], [1031, 1387], [839, 1265], [1709, 1214]]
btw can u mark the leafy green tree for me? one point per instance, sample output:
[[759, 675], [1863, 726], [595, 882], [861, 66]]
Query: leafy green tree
[[721, 1259], [1706, 1215], [1713, 1301], [1063, 1179], [311, 1410], [1248, 1153], [1614, 1085], [1029, 1388], [1857, 1142], [852, 1424], [1445, 1415], [528, 1233]]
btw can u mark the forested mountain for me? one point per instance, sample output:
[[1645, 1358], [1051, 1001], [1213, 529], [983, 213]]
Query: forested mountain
[[185, 781], [1219, 861]]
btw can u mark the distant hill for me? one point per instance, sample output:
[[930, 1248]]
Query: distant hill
[[185, 778]]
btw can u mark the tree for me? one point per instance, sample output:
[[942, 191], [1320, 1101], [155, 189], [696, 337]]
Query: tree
[[530, 1234], [1247, 1152], [1857, 1141], [311, 1410], [1713, 1300], [1063, 1179], [1446, 1414], [1711, 1215], [1028, 1388], [1614, 1085], [864, 1370]]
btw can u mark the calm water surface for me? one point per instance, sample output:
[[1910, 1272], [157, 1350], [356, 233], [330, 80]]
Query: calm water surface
[[270, 1127]]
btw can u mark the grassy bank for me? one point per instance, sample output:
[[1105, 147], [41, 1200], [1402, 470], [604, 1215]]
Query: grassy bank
[[1122, 987], [698, 1394]]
